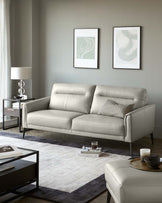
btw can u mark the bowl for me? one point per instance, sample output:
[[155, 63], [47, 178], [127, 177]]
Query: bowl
[[152, 161]]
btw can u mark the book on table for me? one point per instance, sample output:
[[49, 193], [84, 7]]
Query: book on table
[[91, 152], [7, 151]]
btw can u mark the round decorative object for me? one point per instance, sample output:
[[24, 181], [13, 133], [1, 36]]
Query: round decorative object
[[152, 161], [138, 164], [21, 90], [21, 83]]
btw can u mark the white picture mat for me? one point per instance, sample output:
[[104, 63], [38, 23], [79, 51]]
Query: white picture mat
[[122, 42], [86, 63]]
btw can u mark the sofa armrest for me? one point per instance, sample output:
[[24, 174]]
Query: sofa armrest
[[35, 105], [139, 123]]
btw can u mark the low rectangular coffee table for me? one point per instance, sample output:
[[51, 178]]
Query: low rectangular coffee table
[[23, 173]]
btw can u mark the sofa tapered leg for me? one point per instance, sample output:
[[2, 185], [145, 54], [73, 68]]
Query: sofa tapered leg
[[130, 149], [152, 138], [108, 196], [24, 132]]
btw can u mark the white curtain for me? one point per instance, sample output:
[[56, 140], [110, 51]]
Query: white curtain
[[5, 58]]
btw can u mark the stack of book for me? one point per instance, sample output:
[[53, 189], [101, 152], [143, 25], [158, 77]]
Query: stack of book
[[88, 151]]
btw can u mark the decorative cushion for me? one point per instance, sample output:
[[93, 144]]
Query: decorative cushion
[[112, 108], [121, 95]]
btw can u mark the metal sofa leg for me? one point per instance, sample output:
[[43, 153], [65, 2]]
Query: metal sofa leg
[[130, 149], [24, 130], [108, 196], [152, 138]]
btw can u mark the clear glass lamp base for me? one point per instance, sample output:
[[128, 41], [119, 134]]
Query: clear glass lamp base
[[21, 90]]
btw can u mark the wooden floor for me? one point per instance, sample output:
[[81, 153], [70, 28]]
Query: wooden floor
[[142, 143]]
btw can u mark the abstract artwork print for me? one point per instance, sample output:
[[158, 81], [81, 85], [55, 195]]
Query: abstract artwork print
[[86, 48], [126, 47]]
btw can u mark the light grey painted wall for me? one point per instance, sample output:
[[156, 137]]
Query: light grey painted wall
[[21, 29], [35, 48], [25, 41], [59, 18]]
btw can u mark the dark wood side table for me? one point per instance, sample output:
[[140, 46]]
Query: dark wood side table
[[13, 112]]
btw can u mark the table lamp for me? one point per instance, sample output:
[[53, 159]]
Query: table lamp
[[21, 73]]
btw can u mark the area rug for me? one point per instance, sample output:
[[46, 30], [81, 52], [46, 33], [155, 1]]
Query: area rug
[[65, 175]]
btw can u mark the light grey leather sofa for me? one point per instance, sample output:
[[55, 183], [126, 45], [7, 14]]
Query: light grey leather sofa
[[109, 112]]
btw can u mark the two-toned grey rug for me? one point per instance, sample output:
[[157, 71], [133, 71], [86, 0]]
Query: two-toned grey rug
[[65, 175]]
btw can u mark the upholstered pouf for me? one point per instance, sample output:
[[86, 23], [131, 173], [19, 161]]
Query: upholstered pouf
[[129, 185]]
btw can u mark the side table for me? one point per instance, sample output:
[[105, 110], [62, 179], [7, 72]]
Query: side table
[[13, 112]]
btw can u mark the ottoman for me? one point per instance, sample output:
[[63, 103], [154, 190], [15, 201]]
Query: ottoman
[[129, 185]]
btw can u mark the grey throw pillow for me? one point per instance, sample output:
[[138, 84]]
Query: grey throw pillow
[[112, 108]]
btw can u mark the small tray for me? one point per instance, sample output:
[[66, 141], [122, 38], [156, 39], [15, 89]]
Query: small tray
[[136, 163]]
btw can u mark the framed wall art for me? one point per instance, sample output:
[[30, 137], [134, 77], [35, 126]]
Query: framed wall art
[[127, 47], [85, 47]]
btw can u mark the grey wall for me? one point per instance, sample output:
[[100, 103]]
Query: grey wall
[[25, 41], [56, 20], [21, 29], [35, 48]]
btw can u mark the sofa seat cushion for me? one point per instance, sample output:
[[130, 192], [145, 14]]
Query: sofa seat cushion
[[99, 124], [52, 118]]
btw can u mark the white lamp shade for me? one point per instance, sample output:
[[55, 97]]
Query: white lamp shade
[[21, 73]]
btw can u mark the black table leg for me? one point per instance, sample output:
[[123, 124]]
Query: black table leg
[[24, 133], [37, 160]]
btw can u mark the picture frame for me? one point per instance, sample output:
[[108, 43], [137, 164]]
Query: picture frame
[[127, 47], [85, 48]]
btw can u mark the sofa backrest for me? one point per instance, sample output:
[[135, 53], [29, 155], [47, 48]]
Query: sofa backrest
[[122, 95], [72, 97]]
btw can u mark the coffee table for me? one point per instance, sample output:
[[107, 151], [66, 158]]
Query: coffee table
[[23, 173]]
